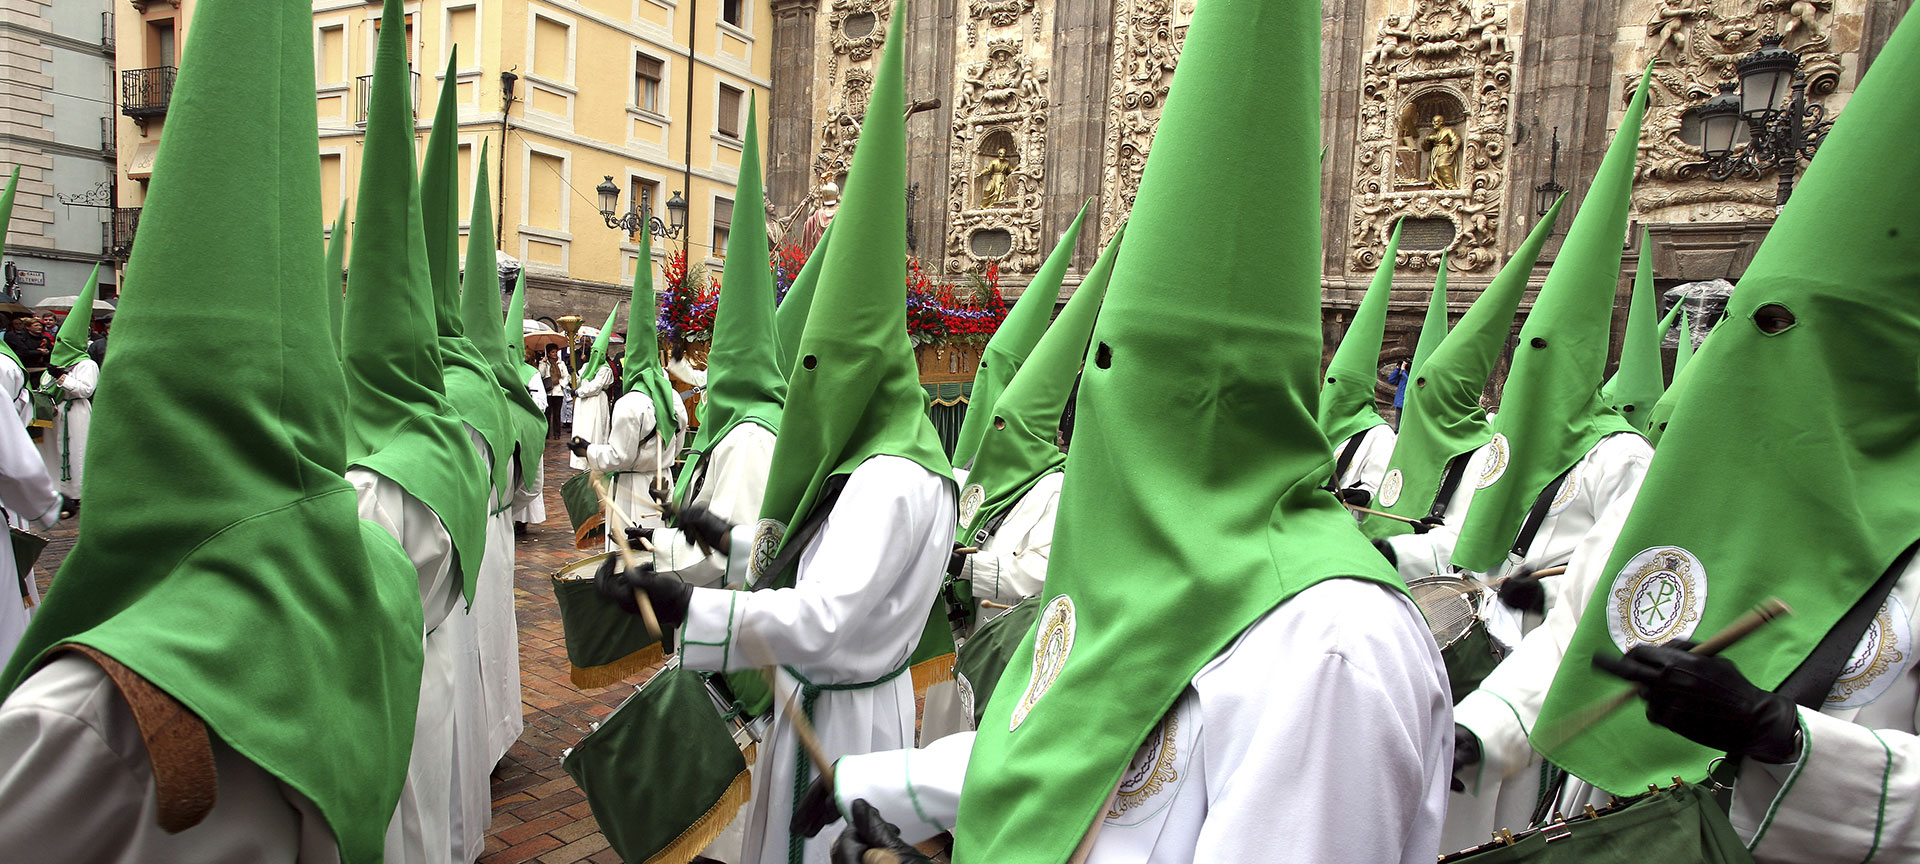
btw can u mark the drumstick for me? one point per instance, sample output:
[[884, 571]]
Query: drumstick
[[1380, 513], [627, 559], [1743, 626], [989, 604]]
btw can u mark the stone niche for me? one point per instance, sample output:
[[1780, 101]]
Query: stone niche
[[997, 153], [1435, 95], [1147, 37]]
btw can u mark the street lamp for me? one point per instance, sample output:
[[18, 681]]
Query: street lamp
[[640, 217], [1782, 126], [1550, 191]]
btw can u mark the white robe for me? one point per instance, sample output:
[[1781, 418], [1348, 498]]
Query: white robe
[[1255, 772], [1370, 459], [420, 830], [76, 787], [66, 442], [497, 631], [736, 483], [27, 495], [637, 457], [590, 417], [529, 499], [860, 599]]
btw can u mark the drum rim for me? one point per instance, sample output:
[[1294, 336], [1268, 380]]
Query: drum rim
[[1472, 596]]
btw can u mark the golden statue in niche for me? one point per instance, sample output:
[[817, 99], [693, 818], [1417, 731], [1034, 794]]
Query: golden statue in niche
[[996, 172], [1444, 171]]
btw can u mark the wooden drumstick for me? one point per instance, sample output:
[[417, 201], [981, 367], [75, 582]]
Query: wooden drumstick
[[1769, 609], [627, 559], [1380, 513]]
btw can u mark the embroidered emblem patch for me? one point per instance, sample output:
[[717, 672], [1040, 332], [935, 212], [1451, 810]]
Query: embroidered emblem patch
[[766, 542], [1157, 770], [965, 687], [1493, 462], [1390, 488], [1657, 597], [1568, 491], [1052, 642], [1883, 656], [970, 500]]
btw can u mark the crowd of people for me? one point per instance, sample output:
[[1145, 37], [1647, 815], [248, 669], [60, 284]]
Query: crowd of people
[[1176, 593]]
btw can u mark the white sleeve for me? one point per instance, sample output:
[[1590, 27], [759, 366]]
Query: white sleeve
[[421, 535], [59, 769], [598, 384], [1418, 556], [632, 421], [26, 489], [1015, 567], [1853, 795], [80, 381], [1370, 461], [916, 790], [735, 486]]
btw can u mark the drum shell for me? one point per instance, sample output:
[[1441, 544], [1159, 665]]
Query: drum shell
[[980, 663]]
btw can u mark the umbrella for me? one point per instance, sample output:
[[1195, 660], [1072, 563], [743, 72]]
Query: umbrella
[[542, 338], [64, 303]]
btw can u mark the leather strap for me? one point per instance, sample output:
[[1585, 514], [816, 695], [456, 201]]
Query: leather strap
[[797, 541], [185, 782], [1345, 458], [1449, 482], [1810, 682], [1538, 515]]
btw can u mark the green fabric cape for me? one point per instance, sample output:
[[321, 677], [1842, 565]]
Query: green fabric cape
[[856, 392], [1442, 419], [480, 315], [1552, 411], [1433, 330], [1167, 554], [1663, 409], [333, 272], [1347, 399], [517, 339], [1018, 448], [251, 592], [70, 345], [1817, 476], [744, 382], [1637, 384], [598, 356], [6, 218], [402, 425], [791, 318], [1683, 353], [1007, 350], [641, 370], [467, 381]]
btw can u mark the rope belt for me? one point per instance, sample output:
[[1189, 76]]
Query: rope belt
[[803, 769]]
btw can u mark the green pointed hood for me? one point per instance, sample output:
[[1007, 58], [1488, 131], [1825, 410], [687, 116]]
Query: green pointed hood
[[791, 318], [516, 330], [480, 319], [1347, 398], [1433, 330], [856, 392], [402, 425], [1637, 384], [1442, 419], [70, 346], [331, 275], [6, 218], [1010, 345], [1554, 411], [1663, 410], [1817, 479], [598, 356], [641, 370], [1019, 447], [1683, 353], [744, 382], [1242, 494], [251, 589]]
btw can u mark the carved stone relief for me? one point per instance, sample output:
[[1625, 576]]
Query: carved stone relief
[[998, 151], [842, 129], [1147, 36], [1436, 87], [855, 30]]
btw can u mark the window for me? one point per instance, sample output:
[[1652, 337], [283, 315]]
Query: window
[[646, 82], [552, 49], [644, 193], [546, 191], [160, 47], [376, 40], [734, 12], [333, 55], [727, 117], [722, 224]]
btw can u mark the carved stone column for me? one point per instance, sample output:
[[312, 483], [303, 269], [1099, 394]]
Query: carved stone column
[[1082, 54], [790, 138]]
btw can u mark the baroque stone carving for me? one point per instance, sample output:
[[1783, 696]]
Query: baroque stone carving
[[1434, 114], [863, 40], [1694, 45], [1147, 37], [842, 129], [997, 157], [1003, 13]]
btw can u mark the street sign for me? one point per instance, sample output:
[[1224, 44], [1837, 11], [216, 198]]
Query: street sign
[[33, 277]]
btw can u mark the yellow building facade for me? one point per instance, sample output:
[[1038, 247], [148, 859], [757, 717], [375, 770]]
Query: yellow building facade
[[564, 93]]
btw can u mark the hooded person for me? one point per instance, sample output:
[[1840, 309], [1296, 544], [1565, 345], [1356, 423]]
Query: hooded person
[[1433, 329], [27, 492], [416, 472], [790, 320], [71, 378], [857, 524], [263, 639], [1637, 384], [649, 421], [501, 348], [529, 497], [725, 475], [1682, 355], [1148, 704], [13, 373], [591, 420], [1007, 350], [1814, 366], [1347, 412], [333, 275]]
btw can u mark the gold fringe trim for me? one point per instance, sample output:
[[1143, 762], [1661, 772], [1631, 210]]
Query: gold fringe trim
[[927, 673], [707, 828], [583, 539], [609, 674]]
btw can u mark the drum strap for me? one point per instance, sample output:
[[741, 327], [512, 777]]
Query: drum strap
[[1449, 483], [1810, 682], [1345, 459], [1538, 515], [803, 768], [796, 542], [185, 780]]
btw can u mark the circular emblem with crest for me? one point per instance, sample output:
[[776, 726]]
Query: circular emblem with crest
[[1390, 488], [1052, 642], [1656, 597], [1884, 654], [1568, 491], [965, 688], [766, 542], [1157, 770], [970, 500], [1493, 462]]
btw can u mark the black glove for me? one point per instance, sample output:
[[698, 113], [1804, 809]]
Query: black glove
[[54, 373], [669, 597], [1354, 495], [1466, 754], [866, 830], [1708, 701], [1523, 592], [579, 446], [1386, 549], [636, 535], [1427, 524], [957, 561], [816, 810], [706, 529]]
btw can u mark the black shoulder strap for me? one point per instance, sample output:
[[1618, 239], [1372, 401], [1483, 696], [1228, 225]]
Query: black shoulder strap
[[797, 539], [1809, 684], [1345, 459], [1449, 483], [1538, 515]]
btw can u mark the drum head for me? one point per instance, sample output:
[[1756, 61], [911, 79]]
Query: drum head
[[1450, 606]]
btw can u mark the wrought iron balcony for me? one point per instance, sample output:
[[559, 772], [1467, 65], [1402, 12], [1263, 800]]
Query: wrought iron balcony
[[144, 93], [364, 86], [126, 220]]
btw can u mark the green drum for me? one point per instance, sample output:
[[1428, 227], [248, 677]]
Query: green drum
[[605, 645], [44, 410], [583, 511], [1677, 825], [979, 663], [1452, 608]]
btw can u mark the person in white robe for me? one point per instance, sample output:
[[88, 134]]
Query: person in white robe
[[732, 484], [635, 455], [1372, 449], [30, 501], [529, 498], [64, 447]]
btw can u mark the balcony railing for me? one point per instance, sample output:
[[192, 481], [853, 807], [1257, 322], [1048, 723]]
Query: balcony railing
[[364, 85], [126, 220], [145, 93]]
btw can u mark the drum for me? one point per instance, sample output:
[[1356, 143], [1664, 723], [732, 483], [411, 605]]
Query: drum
[[27, 547], [583, 511], [666, 771], [605, 645], [979, 663], [1451, 606], [44, 409], [1680, 824]]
